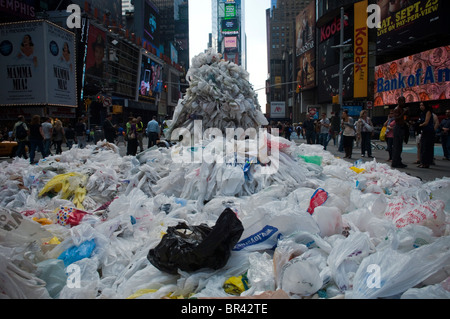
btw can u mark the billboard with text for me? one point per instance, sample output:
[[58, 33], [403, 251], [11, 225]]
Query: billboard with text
[[420, 77], [37, 64]]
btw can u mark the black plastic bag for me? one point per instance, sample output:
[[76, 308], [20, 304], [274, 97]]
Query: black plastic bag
[[190, 248]]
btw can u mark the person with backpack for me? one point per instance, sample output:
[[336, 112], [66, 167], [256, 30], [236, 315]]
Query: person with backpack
[[20, 133]]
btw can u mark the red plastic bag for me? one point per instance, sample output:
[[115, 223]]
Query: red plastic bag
[[319, 197], [69, 216]]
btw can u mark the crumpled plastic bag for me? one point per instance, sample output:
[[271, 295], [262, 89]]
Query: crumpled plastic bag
[[407, 210], [191, 248], [300, 277], [76, 253], [388, 272]]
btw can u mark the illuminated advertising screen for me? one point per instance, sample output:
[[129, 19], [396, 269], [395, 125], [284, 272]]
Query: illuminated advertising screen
[[25, 9], [420, 77], [230, 11], [151, 78], [306, 74], [95, 56], [37, 64], [230, 42], [151, 24], [403, 22], [230, 25]]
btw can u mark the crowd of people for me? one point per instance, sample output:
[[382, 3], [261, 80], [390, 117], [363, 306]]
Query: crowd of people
[[42, 135], [47, 135], [347, 133]]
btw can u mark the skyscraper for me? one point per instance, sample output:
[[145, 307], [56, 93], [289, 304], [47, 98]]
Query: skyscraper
[[281, 19], [228, 30]]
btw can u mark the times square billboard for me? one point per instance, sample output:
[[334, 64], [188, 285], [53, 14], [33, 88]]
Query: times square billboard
[[420, 77], [37, 64], [405, 22]]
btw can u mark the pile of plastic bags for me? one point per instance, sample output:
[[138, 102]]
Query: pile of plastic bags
[[330, 231], [219, 94], [220, 217]]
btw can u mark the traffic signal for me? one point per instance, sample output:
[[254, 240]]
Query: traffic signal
[[299, 87], [165, 87]]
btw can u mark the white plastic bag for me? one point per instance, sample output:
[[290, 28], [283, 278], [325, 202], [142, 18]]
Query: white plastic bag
[[389, 272], [300, 277], [329, 220], [346, 256], [407, 210]]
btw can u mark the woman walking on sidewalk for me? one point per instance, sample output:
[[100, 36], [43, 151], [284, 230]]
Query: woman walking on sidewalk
[[399, 133], [390, 123], [366, 134], [428, 133], [348, 134]]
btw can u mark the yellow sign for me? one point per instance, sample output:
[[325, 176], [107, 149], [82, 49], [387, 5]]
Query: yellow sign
[[117, 109], [361, 50], [278, 82]]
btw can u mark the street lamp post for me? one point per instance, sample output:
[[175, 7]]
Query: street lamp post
[[341, 48]]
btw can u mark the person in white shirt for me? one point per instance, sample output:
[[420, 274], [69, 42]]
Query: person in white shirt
[[47, 128], [153, 132], [348, 133]]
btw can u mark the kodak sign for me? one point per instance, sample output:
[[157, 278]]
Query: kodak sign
[[361, 50]]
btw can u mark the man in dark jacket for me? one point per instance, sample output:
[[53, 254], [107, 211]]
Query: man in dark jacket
[[109, 130]]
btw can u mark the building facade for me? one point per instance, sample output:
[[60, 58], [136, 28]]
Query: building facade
[[228, 35], [127, 65], [281, 86], [411, 43]]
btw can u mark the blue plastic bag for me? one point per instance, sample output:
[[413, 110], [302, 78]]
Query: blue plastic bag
[[76, 253]]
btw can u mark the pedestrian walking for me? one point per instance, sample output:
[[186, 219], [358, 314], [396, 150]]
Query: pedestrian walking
[[36, 138], [153, 132], [428, 134], [348, 126], [140, 133], [309, 129], [58, 135], [366, 125], [389, 124], [399, 133], [109, 130], [132, 144], [324, 124], [20, 133], [47, 128], [445, 139], [80, 132]]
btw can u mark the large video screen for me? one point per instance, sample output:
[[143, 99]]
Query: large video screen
[[403, 22], [151, 24], [95, 57], [420, 77], [151, 77]]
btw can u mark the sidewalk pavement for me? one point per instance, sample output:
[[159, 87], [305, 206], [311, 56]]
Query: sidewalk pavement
[[409, 156]]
